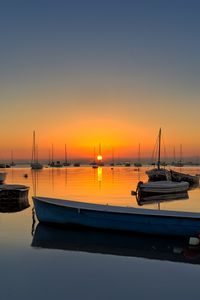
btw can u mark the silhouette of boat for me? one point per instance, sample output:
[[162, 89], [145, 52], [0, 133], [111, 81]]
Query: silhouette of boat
[[13, 197]]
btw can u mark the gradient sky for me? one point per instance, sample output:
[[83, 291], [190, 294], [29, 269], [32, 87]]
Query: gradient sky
[[82, 72]]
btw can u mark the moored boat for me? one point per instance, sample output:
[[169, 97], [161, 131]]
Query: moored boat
[[161, 187], [13, 197], [66, 212], [178, 176], [2, 177]]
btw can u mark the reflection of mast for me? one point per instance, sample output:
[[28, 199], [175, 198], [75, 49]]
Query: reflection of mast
[[34, 182]]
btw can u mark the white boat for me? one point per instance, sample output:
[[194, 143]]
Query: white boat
[[107, 217], [161, 187], [2, 177]]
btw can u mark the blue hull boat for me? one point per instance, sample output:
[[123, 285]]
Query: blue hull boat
[[65, 212]]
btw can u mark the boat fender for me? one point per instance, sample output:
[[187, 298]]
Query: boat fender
[[194, 241]]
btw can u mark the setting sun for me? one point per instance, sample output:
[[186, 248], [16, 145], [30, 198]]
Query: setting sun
[[99, 157]]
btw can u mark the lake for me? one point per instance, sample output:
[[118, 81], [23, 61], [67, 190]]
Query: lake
[[44, 262]]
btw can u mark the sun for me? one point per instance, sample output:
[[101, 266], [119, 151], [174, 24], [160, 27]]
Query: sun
[[99, 157]]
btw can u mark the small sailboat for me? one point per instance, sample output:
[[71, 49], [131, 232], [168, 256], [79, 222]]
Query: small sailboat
[[94, 163], [112, 164], [12, 164], [158, 174], [138, 163], [66, 162], [35, 165]]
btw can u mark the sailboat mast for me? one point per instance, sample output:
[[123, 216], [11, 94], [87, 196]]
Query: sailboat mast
[[65, 153], [159, 144], [34, 146], [139, 153]]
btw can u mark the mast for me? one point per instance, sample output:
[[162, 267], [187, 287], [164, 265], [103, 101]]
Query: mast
[[139, 153], [65, 153], [113, 158], [33, 153], [94, 153], [159, 145]]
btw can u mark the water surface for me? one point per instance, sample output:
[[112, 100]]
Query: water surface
[[42, 262]]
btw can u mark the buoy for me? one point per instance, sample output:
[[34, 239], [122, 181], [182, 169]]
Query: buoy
[[194, 241]]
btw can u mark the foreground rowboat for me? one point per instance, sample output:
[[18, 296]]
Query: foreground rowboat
[[65, 212]]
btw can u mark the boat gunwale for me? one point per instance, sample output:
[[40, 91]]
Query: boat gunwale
[[116, 209]]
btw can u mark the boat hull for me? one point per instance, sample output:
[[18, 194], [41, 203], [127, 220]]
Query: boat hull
[[117, 218]]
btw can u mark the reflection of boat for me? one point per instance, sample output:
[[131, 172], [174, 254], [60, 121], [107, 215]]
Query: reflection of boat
[[150, 221], [161, 198], [2, 177], [115, 243], [161, 187], [13, 197]]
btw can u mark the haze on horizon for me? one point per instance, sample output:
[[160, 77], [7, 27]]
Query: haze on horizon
[[84, 72]]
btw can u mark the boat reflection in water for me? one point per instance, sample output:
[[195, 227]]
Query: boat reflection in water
[[115, 243]]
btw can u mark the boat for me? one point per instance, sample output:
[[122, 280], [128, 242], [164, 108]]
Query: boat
[[140, 220], [193, 180], [2, 177], [127, 164], [35, 165], [102, 242], [4, 165], [158, 173], [66, 162], [161, 188], [13, 197], [138, 164], [161, 174], [56, 164], [76, 164]]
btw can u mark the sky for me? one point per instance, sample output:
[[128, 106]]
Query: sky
[[87, 72]]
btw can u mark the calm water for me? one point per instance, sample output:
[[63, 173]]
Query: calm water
[[42, 262]]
